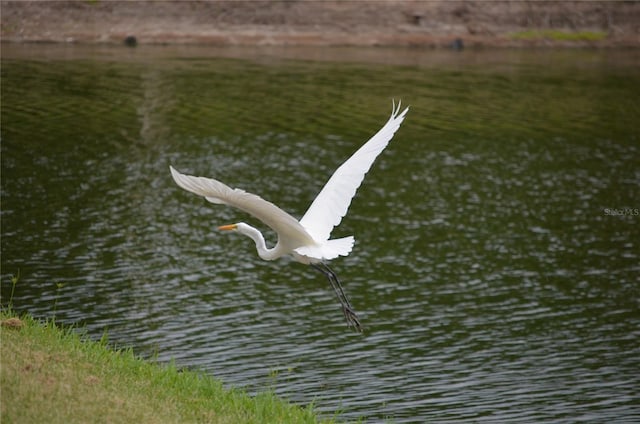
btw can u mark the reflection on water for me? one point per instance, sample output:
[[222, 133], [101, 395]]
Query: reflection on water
[[496, 262]]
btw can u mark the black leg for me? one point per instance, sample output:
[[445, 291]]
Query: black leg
[[349, 313]]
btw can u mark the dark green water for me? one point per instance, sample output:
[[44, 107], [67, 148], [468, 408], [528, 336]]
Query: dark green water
[[496, 264]]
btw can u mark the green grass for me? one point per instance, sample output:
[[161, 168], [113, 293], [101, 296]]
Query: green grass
[[51, 374], [557, 35]]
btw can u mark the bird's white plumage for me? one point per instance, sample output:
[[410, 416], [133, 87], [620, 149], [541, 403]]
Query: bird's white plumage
[[332, 203], [308, 239]]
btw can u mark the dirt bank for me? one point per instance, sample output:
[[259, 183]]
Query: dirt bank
[[366, 23]]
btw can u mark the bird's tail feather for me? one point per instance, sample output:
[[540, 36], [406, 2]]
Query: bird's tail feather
[[330, 249], [340, 247]]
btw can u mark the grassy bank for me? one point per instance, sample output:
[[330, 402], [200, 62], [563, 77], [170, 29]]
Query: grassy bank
[[53, 375], [557, 35]]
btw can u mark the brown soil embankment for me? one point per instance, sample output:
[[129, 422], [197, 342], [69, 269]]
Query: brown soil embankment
[[365, 23]]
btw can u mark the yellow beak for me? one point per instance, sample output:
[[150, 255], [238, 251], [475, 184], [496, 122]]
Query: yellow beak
[[227, 227]]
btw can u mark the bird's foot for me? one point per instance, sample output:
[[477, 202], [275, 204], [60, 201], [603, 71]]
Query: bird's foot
[[352, 319]]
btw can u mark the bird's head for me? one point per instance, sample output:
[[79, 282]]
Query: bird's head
[[240, 227], [247, 230]]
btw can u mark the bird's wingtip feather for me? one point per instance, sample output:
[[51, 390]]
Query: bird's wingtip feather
[[395, 108], [174, 172]]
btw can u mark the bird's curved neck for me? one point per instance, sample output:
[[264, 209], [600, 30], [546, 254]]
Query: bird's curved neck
[[261, 246]]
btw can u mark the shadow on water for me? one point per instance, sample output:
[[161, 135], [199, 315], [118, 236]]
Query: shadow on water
[[496, 262]]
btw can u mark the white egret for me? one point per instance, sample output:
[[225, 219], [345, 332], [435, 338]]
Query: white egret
[[306, 240]]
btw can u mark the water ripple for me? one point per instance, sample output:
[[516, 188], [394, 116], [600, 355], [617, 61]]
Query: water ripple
[[492, 283]]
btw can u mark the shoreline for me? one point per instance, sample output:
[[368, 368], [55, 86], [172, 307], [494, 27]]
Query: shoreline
[[55, 374], [436, 24]]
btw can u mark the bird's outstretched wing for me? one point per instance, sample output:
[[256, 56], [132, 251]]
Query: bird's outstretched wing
[[217, 192], [334, 199]]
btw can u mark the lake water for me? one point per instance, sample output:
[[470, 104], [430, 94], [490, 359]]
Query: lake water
[[497, 257]]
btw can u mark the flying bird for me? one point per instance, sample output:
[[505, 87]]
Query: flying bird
[[307, 240]]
